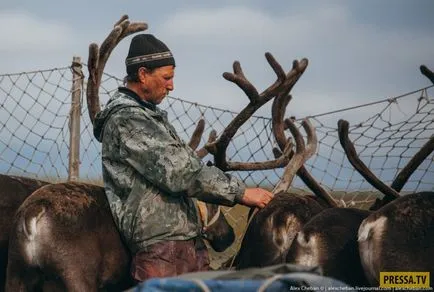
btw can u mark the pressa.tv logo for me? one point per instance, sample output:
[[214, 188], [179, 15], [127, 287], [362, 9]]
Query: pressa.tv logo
[[407, 280]]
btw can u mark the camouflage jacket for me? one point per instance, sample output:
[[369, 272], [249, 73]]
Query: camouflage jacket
[[151, 176]]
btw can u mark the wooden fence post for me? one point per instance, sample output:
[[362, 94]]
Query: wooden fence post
[[74, 119]]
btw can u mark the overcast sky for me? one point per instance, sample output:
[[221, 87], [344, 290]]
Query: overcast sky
[[358, 51]]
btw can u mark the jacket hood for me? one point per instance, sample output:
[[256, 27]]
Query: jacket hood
[[121, 99]]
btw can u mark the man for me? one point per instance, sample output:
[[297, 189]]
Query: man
[[151, 175]]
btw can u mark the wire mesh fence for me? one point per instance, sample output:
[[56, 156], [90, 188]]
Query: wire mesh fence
[[35, 137], [34, 123]]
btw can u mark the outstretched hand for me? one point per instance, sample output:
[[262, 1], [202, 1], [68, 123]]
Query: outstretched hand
[[256, 197]]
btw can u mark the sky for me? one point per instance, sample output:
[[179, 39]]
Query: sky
[[358, 51]]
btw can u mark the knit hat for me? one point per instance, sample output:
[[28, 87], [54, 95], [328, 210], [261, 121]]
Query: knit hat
[[149, 52]]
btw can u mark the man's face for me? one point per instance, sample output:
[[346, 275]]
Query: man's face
[[156, 84]]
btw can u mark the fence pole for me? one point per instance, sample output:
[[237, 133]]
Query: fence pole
[[74, 122]]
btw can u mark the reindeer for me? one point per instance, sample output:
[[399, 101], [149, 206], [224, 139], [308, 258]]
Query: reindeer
[[317, 244], [63, 227], [272, 229], [64, 234], [64, 237], [13, 191], [329, 239], [400, 235]]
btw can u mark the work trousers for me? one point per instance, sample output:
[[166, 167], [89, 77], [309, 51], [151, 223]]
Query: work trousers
[[170, 258]]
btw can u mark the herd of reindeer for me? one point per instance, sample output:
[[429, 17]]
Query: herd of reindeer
[[62, 237]]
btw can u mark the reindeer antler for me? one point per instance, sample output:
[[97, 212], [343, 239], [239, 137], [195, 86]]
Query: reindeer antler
[[282, 85], [197, 135], [301, 155], [98, 58], [357, 163], [405, 173], [279, 126], [391, 192]]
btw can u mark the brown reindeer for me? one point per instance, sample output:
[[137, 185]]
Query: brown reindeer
[[78, 212], [400, 236], [329, 239], [272, 229], [64, 234], [61, 228], [13, 191]]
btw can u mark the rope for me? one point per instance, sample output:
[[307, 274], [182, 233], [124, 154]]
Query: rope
[[203, 213], [388, 100]]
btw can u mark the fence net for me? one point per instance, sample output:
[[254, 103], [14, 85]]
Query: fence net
[[34, 138]]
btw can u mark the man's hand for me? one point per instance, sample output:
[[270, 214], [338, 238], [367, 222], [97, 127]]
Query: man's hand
[[256, 197]]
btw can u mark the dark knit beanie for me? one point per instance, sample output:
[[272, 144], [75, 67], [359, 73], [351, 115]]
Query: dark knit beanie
[[149, 52]]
